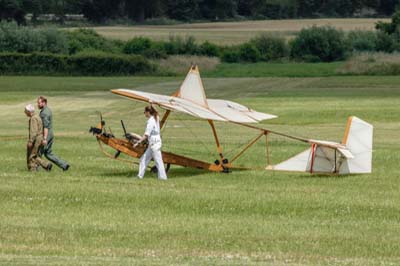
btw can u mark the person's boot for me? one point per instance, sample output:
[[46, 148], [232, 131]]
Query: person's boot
[[48, 168], [66, 168]]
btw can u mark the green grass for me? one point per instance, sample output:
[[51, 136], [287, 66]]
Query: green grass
[[98, 214], [275, 70]]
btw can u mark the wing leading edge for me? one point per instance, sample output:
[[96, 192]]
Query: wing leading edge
[[190, 99]]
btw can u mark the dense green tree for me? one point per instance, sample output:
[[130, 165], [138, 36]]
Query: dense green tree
[[182, 9], [188, 10], [12, 10], [217, 9]]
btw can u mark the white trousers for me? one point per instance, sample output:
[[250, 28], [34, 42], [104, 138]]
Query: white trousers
[[154, 153]]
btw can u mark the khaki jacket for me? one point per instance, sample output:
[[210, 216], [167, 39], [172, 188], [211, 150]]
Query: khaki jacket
[[35, 129]]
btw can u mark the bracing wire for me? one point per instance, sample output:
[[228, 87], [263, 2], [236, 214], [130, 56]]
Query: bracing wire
[[197, 137]]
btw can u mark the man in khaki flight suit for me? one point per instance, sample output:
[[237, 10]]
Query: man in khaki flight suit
[[35, 141]]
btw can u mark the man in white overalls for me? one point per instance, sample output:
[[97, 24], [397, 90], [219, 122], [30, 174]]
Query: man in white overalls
[[152, 134]]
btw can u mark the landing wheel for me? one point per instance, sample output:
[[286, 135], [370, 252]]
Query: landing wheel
[[154, 169]]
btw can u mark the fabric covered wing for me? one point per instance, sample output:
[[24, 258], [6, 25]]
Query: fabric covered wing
[[236, 112], [170, 103]]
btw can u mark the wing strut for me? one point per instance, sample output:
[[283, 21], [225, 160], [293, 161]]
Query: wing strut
[[219, 148]]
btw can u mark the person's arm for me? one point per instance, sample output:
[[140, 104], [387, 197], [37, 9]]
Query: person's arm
[[45, 133], [46, 124], [33, 132], [143, 138], [147, 132]]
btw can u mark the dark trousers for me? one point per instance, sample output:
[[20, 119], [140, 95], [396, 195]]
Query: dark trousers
[[48, 153]]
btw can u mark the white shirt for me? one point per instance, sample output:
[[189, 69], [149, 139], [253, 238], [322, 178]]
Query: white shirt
[[152, 127]]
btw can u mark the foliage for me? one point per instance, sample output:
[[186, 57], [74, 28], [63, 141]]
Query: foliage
[[231, 55], [389, 34], [179, 45], [248, 52], [88, 39], [385, 43], [79, 64], [137, 45], [14, 38], [324, 44], [390, 27], [13, 10], [103, 11], [209, 49], [362, 40], [270, 47]]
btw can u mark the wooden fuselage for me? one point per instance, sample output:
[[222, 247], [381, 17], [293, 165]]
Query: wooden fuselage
[[126, 147]]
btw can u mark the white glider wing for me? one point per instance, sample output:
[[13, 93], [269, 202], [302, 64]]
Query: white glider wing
[[191, 99]]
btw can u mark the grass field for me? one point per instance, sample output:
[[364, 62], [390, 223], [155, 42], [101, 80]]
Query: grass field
[[264, 69], [232, 32], [97, 213]]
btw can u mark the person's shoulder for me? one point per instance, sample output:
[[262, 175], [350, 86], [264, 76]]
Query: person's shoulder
[[45, 111]]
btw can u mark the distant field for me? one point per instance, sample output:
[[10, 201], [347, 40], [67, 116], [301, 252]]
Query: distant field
[[98, 214], [232, 32]]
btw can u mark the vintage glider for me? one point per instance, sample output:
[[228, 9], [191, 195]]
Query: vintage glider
[[353, 155]]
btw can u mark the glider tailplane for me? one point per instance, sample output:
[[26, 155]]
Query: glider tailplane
[[352, 156]]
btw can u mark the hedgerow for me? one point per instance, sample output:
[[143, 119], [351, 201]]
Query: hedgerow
[[85, 63]]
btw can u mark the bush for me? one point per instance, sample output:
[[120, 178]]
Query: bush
[[270, 48], [36, 63], [156, 50], [390, 27], [178, 45], [137, 45], [105, 64], [249, 53], [146, 47], [209, 49], [361, 40], [79, 64], [385, 43], [319, 44], [88, 39], [14, 38], [230, 55]]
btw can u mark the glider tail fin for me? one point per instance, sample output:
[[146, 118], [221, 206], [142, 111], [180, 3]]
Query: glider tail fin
[[358, 139]]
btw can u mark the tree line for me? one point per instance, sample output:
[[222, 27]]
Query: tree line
[[100, 11]]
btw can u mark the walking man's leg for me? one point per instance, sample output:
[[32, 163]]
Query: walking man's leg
[[31, 163], [48, 152]]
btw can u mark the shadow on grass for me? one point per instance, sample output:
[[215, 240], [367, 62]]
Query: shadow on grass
[[173, 173], [324, 176]]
